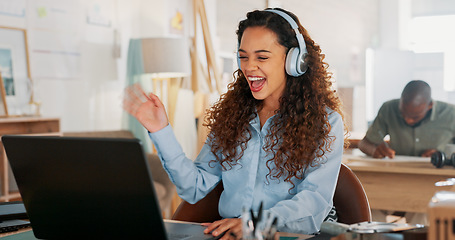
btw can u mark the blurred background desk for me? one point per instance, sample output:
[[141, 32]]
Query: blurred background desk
[[406, 186], [21, 125]]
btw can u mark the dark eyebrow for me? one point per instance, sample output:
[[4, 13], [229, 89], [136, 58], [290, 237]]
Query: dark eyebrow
[[261, 51], [258, 51]]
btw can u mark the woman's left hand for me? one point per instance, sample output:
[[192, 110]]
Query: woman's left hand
[[232, 227]]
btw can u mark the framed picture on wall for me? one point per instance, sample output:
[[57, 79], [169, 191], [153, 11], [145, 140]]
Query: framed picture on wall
[[14, 69], [6, 69]]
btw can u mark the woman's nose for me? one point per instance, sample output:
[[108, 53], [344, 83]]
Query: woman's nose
[[251, 65]]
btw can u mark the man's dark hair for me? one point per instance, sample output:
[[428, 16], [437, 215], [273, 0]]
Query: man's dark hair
[[417, 92]]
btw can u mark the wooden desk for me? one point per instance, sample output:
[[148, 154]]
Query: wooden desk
[[399, 186], [21, 125]]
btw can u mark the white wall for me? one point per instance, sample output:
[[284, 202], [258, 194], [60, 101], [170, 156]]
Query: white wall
[[76, 74], [394, 62], [87, 94]]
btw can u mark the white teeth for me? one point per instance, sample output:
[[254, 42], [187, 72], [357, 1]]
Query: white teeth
[[255, 78]]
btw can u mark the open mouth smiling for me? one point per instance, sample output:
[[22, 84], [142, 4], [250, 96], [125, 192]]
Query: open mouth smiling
[[256, 83]]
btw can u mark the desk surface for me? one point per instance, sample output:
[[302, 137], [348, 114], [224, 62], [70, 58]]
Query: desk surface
[[422, 168], [399, 185], [27, 234]]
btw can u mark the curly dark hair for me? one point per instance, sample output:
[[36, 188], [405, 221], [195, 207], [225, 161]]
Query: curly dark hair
[[299, 134]]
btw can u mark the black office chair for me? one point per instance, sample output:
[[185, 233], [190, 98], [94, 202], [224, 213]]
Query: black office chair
[[350, 201]]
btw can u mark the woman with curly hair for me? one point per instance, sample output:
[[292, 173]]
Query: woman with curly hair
[[276, 136]]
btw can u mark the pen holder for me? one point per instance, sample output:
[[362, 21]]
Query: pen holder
[[257, 226], [441, 212]]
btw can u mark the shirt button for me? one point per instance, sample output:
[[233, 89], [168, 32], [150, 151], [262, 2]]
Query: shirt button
[[417, 140]]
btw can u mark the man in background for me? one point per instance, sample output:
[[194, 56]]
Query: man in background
[[416, 124]]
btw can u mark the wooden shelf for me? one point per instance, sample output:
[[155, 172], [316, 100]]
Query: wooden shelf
[[21, 125], [11, 196]]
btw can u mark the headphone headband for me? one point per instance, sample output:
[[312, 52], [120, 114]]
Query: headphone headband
[[285, 16], [294, 26]]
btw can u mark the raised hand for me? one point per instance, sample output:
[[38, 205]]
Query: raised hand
[[147, 109]]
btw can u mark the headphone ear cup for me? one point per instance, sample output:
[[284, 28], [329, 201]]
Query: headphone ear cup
[[438, 159], [452, 159], [296, 63], [303, 63], [292, 62]]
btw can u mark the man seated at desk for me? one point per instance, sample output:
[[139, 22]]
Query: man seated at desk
[[416, 124]]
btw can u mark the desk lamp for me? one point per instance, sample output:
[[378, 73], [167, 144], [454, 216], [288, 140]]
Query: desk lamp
[[166, 63]]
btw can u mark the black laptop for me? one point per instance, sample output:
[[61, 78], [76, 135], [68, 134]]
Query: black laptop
[[89, 188]]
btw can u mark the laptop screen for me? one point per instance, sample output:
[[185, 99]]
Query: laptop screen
[[79, 187]]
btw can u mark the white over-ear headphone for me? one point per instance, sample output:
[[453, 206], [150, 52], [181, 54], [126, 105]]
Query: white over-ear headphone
[[296, 63]]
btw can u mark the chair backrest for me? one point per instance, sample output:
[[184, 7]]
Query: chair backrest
[[206, 210], [350, 201]]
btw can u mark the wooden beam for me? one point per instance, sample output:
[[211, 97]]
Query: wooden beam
[[193, 52], [212, 67], [209, 50]]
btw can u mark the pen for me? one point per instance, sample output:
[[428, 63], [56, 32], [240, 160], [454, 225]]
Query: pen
[[254, 221], [272, 230], [259, 217], [382, 137]]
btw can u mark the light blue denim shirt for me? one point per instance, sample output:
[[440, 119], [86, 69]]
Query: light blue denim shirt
[[245, 185]]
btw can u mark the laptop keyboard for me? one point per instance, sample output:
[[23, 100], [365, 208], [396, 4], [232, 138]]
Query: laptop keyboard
[[176, 236], [13, 225]]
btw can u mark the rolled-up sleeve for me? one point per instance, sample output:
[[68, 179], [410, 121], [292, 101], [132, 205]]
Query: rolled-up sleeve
[[192, 179]]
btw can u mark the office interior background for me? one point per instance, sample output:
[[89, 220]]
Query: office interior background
[[78, 50]]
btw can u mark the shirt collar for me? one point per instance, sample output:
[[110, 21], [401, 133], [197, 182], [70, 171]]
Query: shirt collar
[[256, 123]]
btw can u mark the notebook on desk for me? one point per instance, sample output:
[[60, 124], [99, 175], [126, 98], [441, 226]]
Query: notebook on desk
[[79, 188]]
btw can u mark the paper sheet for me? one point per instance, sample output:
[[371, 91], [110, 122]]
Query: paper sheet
[[397, 158]]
